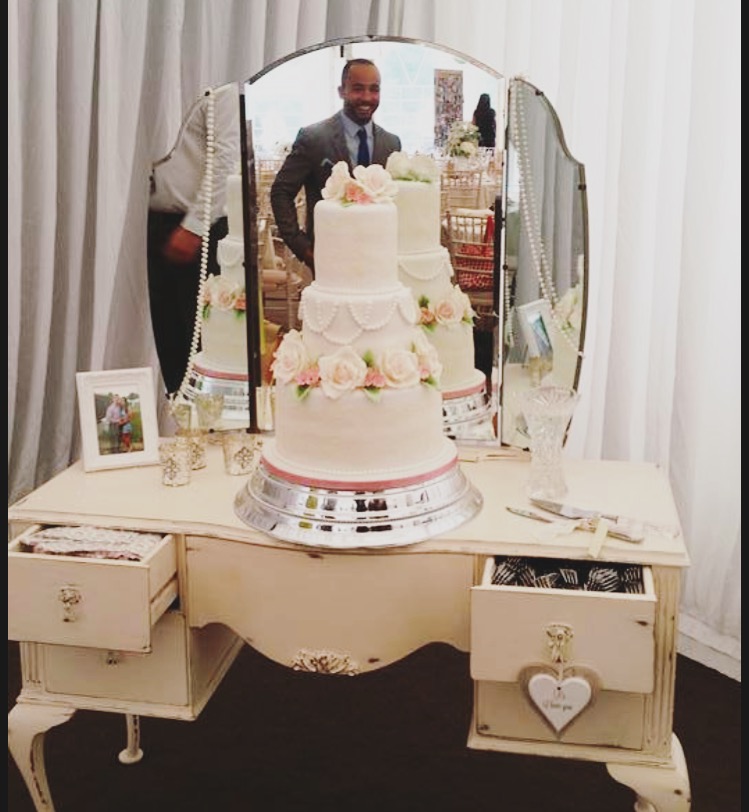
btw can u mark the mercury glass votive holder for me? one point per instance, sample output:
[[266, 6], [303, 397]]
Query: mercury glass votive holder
[[196, 441], [175, 459], [182, 414], [241, 451], [209, 407], [547, 411]]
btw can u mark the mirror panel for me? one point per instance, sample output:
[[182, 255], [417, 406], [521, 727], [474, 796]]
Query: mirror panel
[[421, 87], [546, 255]]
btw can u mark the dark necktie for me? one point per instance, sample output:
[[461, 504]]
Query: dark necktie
[[362, 157]]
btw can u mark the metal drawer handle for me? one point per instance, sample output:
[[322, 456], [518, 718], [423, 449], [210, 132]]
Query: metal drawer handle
[[70, 597]]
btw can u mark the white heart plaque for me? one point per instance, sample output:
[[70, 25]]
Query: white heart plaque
[[559, 700]]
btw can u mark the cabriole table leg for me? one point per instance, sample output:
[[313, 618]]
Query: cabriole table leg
[[27, 727], [659, 788]]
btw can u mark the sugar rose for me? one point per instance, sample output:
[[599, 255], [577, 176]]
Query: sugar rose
[[290, 358], [377, 180], [424, 168], [398, 165], [400, 368], [428, 358], [448, 311], [221, 292], [341, 372], [336, 183]]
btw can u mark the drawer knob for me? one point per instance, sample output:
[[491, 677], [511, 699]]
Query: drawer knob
[[70, 597]]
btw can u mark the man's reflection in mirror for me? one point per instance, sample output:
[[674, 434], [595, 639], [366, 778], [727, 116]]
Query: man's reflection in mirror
[[175, 226], [350, 135]]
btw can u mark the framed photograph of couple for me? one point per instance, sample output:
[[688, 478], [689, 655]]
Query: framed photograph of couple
[[117, 410]]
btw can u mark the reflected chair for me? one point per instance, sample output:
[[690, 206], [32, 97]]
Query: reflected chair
[[462, 188], [471, 246]]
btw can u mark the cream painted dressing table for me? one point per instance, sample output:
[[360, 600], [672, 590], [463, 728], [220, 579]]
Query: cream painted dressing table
[[156, 638]]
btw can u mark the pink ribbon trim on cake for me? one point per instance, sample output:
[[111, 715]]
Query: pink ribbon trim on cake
[[221, 374], [461, 393], [371, 486]]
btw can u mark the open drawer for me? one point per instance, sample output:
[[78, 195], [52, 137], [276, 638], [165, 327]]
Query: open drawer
[[87, 601], [609, 643]]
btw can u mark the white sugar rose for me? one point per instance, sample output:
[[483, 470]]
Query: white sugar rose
[[398, 165], [428, 357], [341, 372], [222, 292], [400, 368], [377, 180], [462, 302], [449, 311], [336, 183], [290, 358], [424, 168]]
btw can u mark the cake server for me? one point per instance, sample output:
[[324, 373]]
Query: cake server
[[570, 512], [589, 523]]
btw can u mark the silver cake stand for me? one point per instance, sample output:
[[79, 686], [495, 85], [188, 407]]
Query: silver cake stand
[[348, 519], [234, 388], [469, 416]]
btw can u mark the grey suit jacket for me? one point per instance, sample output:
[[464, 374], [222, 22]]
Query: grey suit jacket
[[315, 151]]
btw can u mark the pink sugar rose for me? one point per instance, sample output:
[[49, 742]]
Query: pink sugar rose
[[427, 317], [308, 377], [375, 378], [356, 193], [241, 302]]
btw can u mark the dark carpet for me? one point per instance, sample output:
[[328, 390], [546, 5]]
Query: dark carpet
[[274, 740]]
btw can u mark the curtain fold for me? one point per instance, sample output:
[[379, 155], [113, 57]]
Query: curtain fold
[[649, 97]]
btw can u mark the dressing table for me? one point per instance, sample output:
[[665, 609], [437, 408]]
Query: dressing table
[[155, 638]]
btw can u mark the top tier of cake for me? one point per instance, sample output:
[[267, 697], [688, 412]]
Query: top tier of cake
[[418, 198], [230, 249], [356, 247], [234, 211], [418, 206], [356, 227]]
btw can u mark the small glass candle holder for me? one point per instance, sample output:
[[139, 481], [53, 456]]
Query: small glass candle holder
[[209, 407], [174, 456], [241, 451], [196, 441], [182, 414]]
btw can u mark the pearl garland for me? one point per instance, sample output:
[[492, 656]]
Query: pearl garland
[[530, 216], [207, 191]]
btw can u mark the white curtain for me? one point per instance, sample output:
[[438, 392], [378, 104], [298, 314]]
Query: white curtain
[[649, 95]]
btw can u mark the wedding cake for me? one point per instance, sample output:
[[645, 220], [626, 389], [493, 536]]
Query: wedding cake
[[223, 309], [358, 402], [446, 315]]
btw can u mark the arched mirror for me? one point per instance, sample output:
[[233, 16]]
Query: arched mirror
[[513, 219], [546, 255]]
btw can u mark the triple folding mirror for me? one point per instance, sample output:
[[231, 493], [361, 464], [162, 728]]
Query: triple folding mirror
[[513, 221]]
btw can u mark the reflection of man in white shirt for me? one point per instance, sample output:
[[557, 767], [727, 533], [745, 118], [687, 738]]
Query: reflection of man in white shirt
[[175, 225]]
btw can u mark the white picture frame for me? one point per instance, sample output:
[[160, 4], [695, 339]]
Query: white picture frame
[[116, 434], [535, 322]]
